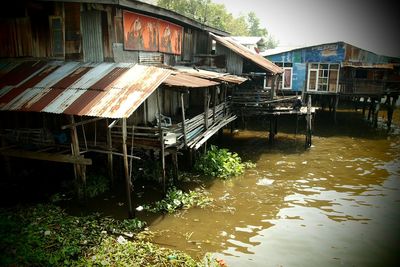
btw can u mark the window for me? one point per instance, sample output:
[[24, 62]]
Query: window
[[57, 36], [323, 77], [286, 82], [287, 78]]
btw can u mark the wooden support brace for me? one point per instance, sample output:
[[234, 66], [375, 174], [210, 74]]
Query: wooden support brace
[[126, 170]]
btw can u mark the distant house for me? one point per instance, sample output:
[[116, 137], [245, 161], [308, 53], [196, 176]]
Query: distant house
[[254, 43], [335, 68]]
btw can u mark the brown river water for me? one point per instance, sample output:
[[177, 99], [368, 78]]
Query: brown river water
[[335, 204]]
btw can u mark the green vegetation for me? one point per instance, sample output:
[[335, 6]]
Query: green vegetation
[[96, 185], [221, 163], [45, 235], [177, 199], [216, 15]]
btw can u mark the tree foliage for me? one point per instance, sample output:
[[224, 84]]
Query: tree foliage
[[216, 15]]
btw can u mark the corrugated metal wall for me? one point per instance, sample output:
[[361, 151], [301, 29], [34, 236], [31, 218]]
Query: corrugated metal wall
[[202, 43], [15, 37], [92, 36], [121, 55], [187, 51], [234, 62]]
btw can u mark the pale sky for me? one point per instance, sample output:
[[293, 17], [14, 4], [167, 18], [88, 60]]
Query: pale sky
[[373, 25]]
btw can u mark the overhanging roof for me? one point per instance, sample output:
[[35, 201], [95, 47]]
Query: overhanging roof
[[244, 52], [109, 90], [185, 80], [211, 75]]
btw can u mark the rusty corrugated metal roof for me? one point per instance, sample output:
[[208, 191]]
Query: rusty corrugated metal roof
[[243, 51], [186, 80], [367, 65], [109, 90], [211, 75]]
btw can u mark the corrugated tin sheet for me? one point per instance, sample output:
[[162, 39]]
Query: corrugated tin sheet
[[211, 75], [109, 90], [247, 53], [92, 38], [367, 65], [187, 80]]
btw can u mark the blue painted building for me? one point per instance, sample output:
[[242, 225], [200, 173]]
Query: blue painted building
[[333, 68]]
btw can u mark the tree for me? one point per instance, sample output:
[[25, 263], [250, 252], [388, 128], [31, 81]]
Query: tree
[[254, 25], [216, 15]]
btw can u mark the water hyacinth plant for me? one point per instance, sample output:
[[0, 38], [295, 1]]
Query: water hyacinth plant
[[44, 235], [177, 199], [221, 163]]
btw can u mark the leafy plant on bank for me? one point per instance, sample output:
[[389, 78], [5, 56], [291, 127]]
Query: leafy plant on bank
[[220, 162], [45, 235], [96, 185], [177, 199]]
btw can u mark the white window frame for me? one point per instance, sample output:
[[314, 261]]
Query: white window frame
[[310, 69], [291, 78], [281, 82]]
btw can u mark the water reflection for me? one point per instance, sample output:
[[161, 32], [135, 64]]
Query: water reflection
[[335, 204]]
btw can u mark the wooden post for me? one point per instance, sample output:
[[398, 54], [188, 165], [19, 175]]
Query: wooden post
[[126, 170], [214, 102], [335, 107], [390, 110], [364, 105], [309, 123], [376, 113], [110, 155], [80, 170], [273, 85], [271, 130], [206, 105], [145, 112], [206, 108], [161, 142], [183, 119], [371, 106], [175, 162]]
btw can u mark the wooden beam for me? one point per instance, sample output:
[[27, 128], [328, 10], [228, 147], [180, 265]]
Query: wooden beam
[[79, 169], [183, 120], [19, 153], [74, 124], [126, 170], [110, 155]]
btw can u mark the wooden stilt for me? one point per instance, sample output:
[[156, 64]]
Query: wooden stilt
[[271, 130], [376, 113], [214, 103], [175, 163], [390, 110], [273, 86], [371, 107], [128, 182], [145, 112], [206, 107], [80, 172], [162, 148], [110, 164], [364, 106], [309, 123], [336, 97]]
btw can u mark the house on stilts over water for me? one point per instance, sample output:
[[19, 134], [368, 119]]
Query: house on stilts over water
[[123, 79], [333, 71]]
